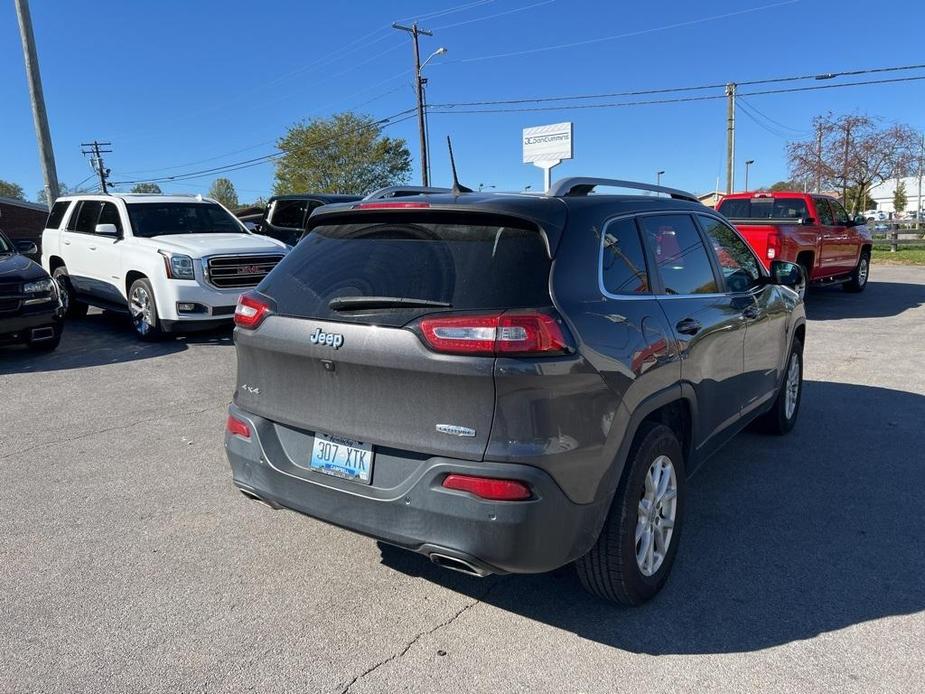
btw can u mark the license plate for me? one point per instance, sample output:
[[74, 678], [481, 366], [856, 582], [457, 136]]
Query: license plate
[[351, 460]]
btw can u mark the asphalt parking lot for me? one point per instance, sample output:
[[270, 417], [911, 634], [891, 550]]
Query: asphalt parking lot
[[128, 562]]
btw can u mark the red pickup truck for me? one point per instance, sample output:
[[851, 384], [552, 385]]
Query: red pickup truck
[[813, 231]]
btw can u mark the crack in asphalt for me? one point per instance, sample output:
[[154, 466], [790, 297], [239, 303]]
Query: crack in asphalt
[[420, 635], [156, 418]]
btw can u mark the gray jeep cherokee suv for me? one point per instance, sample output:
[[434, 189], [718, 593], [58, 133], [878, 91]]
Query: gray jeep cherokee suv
[[506, 383]]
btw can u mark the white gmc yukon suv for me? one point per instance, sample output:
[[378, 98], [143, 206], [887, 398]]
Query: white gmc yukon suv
[[175, 263]]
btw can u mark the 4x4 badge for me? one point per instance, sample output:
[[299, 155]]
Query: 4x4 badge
[[455, 430]]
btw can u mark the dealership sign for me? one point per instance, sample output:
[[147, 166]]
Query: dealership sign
[[547, 145]]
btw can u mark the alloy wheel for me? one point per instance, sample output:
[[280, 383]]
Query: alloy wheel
[[792, 386], [142, 310], [655, 521]]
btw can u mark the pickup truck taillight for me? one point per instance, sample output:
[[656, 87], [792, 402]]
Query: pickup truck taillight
[[773, 245], [496, 334]]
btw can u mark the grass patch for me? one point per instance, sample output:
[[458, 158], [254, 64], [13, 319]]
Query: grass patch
[[904, 256]]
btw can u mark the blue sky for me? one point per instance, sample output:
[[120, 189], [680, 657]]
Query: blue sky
[[178, 86]]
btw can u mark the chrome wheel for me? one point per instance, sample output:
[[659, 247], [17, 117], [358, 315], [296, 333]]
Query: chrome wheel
[[655, 521], [141, 306], [792, 386], [863, 271]]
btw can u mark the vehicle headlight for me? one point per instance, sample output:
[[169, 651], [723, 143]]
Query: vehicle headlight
[[179, 267], [39, 286]]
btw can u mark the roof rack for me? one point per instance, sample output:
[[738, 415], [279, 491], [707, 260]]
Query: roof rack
[[403, 191], [581, 185]]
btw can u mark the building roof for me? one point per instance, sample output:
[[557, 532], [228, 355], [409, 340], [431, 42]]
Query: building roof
[[16, 202]]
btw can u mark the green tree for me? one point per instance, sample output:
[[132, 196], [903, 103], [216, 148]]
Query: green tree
[[146, 188], [781, 186], [11, 190], [899, 197], [345, 153], [63, 189], [223, 190], [867, 203]]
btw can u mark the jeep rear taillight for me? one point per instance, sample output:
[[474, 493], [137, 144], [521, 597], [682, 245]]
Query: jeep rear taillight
[[252, 308], [496, 334]]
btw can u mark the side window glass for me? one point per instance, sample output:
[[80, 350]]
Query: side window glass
[[85, 219], [841, 217], [110, 215], [738, 264], [623, 263], [825, 212], [289, 213], [57, 214], [680, 256]]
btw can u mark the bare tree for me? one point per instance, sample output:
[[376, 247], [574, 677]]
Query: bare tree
[[853, 153]]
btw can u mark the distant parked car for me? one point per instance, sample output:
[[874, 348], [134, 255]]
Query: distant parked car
[[813, 231], [285, 215], [173, 263], [30, 307]]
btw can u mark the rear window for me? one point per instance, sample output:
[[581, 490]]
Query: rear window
[[465, 263], [764, 208]]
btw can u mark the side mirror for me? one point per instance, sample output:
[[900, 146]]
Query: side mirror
[[787, 274], [106, 230], [808, 221], [27, 247], [860, 220]]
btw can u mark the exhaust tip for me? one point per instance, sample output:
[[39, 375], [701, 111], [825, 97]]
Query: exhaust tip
[[250, 495], [457, 564]]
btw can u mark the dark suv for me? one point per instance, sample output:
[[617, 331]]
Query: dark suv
[[507, 383], [30, 306], [285, 215]]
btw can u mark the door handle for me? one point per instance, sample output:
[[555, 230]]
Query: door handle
[[751, 312], [688, 326], [67, 243], [92, 248]]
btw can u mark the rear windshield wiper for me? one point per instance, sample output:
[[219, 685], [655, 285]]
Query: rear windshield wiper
[[358, 303]]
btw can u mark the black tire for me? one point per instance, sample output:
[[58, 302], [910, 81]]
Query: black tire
[[777, 420], [143, 310], [610, 570], [858, 281], [73, 308], [46, 345]]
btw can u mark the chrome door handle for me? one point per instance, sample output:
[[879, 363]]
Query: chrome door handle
[[751, 312], [688, 326]]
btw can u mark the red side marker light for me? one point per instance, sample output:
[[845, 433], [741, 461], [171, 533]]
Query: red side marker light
[[488, 488], [237, 427]]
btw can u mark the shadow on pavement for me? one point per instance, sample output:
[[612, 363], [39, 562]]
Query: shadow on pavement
[[879, 299], [785, 538], [102, 338]]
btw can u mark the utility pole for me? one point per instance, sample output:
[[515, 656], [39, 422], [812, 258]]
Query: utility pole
[[918, 217], [96, 152], [39, 115], [416, 31], [730, 136]]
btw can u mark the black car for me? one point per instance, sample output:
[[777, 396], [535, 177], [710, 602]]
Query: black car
[[506, 383], [30, 305], [285, 215]]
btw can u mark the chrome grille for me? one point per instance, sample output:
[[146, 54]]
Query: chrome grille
[[225, 272]]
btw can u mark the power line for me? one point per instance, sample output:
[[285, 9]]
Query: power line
[[768, 118], [451, 108], [393, 119], [494, 16], [672, 90]]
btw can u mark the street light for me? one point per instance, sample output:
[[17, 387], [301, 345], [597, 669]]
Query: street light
[[421, 82], [658, 177], [748, 163]]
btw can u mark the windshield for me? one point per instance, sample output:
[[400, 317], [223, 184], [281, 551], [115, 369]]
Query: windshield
[[387, 272], [164, 218], [764, 208]]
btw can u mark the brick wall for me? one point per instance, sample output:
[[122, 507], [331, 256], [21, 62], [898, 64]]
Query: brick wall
[[21, 222]]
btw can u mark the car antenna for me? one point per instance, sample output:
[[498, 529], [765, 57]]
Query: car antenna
[[458, 189]]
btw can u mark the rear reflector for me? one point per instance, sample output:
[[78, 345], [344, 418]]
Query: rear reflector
[[488, 488], [511, 333], [250, 311], [237, 427], [390, 205]]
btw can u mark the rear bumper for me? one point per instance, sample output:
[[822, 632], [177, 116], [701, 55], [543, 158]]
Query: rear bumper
[[417, 513]]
